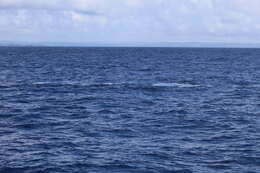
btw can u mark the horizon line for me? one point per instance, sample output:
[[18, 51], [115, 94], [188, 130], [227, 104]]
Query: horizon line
[[177, 44]]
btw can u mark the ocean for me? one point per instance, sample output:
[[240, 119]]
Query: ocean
[[129, 110]]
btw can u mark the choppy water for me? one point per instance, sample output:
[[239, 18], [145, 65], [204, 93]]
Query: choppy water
[[111, 110]]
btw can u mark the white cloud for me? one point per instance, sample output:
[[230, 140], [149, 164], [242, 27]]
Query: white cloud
[[130, 20]]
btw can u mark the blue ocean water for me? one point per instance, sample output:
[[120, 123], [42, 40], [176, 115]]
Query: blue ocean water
[[129, 110]]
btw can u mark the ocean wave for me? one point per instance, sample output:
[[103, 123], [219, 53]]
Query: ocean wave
[[97, 84], [105, 84], [7, 85], [42, 83], [178, 85], [255, 86], [77, 83]]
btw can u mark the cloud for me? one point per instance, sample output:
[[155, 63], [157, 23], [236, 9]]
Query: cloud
[[130, 20]]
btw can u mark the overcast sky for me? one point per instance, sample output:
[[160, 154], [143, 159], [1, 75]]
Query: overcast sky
[[130, 20]]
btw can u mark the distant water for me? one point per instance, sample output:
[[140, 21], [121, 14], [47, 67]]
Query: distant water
[[129, 110]]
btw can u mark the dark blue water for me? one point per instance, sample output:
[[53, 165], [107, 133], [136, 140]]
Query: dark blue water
[[129, 110]]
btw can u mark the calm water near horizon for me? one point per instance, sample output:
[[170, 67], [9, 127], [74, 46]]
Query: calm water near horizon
[[129, 110]]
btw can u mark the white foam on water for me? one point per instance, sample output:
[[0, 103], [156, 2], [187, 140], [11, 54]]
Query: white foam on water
[[110, 83], [41, 83], [54, 83], [77, 83], [8, 84], [107, 83], [178, 85]]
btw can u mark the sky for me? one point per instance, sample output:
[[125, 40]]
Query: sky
[[129, 21]]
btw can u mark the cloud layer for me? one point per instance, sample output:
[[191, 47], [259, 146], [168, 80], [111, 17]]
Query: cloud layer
[[130, 20]]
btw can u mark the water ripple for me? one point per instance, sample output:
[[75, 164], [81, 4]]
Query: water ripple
[[130, 110]]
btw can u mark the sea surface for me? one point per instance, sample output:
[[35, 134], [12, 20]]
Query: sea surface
[[129, 110]]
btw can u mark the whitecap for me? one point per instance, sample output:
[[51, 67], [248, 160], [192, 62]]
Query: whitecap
[[86, 84], [41, 83], [55, 83], [8, 84], [77, 83], [179, 85], [109, 83]]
